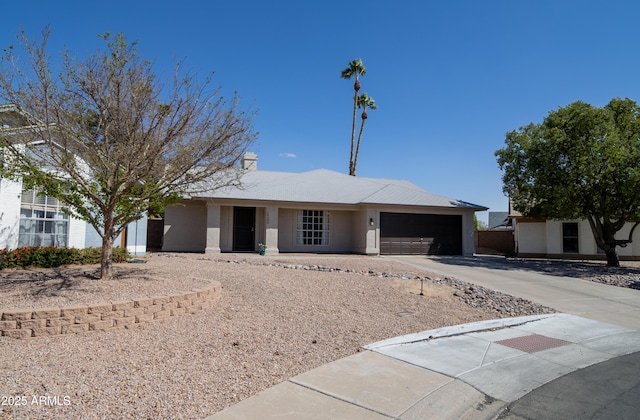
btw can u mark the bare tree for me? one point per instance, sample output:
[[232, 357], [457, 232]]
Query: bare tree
[[111, 140]]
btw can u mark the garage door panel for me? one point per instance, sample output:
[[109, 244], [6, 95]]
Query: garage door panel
[[420, 234]]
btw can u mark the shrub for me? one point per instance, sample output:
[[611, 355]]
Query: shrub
[[51, 256]]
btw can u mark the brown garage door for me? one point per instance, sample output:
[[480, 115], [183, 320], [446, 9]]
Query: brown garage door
[[424, 234]]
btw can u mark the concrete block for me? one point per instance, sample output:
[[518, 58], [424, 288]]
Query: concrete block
[[123, 322], [133, 312], [159, 300], [100, 309], [8, 325], [161, 315], [32, 323], [39, 332], [73, 311], [45, 313], [152, 309], [86, 318], [169, 305], [58, 322], [17, 315], [142, 303], [121, 306], [19, 334], [75, 328], [112, 315], [101, 325], [144, 318]]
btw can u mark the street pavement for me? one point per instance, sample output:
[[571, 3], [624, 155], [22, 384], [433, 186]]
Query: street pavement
[[583, 363]]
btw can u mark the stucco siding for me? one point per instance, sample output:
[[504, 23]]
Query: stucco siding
[[137, 236], [77, 233], [92, 237], [468, 238], [532, 237], [340, 236], [185, 227], [9, 213], [286, 230], [634, 247], [358, 231], [226, 228]]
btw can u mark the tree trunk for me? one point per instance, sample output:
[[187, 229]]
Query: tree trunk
[[356, 87], [106, 258], [355, 159], [612, 258]]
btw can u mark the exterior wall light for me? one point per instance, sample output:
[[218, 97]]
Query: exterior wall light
[[371, 221]]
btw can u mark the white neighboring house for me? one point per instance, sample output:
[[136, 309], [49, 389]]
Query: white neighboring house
[[31, 219], [320, 211], [565, 239]]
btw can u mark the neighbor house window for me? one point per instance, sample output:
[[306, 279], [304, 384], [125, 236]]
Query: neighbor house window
[[312, 227], [42, 222], [570, 237]]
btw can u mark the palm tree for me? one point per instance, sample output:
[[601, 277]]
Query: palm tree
[[357, 69], [364, 102]]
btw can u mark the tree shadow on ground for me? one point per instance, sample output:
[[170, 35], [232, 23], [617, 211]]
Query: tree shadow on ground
[[48, 282]]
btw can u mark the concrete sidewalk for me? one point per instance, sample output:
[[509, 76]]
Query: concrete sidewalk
[[503, 367]]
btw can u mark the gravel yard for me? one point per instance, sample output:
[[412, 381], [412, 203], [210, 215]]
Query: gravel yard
[[278, 316]]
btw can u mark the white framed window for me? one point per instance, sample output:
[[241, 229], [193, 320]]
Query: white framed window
[[42, 222], [312, 227]]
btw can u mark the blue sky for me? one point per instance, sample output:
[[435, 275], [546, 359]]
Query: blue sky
[[449, 78]]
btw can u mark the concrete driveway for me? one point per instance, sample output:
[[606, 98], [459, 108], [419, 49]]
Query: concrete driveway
[[600, 302]]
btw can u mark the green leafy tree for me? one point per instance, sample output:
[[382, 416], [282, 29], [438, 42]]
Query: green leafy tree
[[581, 162], [478, 224], [355, 69], [364, 102], [109, 139]]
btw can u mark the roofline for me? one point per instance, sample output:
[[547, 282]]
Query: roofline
[[327, 203]]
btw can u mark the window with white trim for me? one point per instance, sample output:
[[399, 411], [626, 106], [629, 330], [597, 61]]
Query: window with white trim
[[312, 227], [42, 222]]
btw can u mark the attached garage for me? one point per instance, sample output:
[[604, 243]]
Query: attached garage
[[420, 234]]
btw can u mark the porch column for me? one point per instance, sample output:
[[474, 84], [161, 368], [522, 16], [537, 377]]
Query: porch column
[[372, 225], [271, 234], [213, 229]]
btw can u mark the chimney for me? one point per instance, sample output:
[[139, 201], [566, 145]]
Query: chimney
[[250, 161]]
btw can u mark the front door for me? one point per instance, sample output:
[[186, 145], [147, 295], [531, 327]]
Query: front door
[[244, 229]]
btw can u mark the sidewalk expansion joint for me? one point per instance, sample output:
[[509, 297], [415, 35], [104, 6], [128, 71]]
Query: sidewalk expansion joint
[[335, 397]]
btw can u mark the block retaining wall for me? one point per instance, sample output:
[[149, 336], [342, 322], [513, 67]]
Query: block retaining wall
[[25, 323]]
